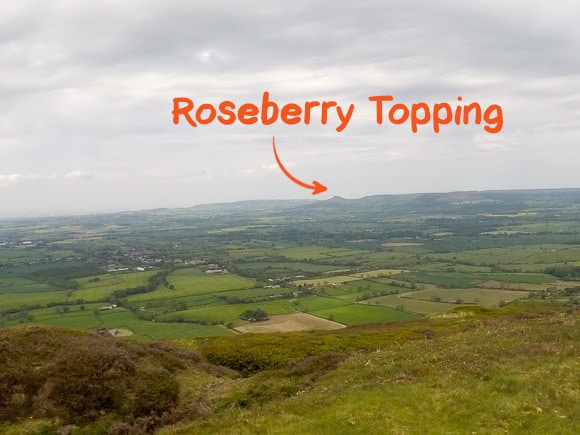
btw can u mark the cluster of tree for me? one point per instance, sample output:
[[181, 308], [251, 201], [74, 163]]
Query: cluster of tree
[[62, 270], [255, 315], [23, 307], [154, 281], [21, 314], [553, 294], [233, 299], [19, 317], [375, 294], [564, 272], [67, 284], [75, 302], [183, 319], [571, 291]]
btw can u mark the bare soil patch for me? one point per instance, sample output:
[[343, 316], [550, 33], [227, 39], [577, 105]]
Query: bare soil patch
[[290, 322], [120, 332]]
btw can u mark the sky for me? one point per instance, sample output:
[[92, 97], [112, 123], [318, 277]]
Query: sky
[[87, 90]]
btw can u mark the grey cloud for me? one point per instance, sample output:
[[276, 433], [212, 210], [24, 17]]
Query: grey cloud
[[86, 92]]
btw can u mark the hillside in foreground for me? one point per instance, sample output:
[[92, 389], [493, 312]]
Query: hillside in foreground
[[505, 370]]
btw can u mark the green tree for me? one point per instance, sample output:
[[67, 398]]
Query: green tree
[[254, 315]]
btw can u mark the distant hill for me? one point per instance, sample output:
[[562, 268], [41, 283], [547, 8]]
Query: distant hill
[[492, 201]]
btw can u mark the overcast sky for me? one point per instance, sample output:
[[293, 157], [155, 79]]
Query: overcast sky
[[87, 88]]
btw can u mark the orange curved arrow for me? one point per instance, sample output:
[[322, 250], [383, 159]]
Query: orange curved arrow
[[316, 187]]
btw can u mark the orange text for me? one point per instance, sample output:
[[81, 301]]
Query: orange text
[[440, 114], [267, 113]]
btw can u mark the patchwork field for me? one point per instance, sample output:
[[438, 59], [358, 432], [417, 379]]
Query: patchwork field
[[381, 260], [192, 281]]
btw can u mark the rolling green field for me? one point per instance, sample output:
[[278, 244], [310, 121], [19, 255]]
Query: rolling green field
[[22, 285], [23, 299], [418, 306], [483, 297], [92, 290], [192, 281], [362, 286], [318, 253], [523, 278], [223, 314], [356, 314], [89, 319], [516, 255], [311, 304]]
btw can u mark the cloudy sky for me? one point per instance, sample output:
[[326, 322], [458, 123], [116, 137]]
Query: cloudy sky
[[87, 89]]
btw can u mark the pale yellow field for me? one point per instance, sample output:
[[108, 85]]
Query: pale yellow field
[[325, 281], [379, 273], [290, 322], [346, 278], [512, 215]]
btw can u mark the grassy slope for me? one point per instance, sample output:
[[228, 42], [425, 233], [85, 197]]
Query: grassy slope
[[509, 374], [510, 370]]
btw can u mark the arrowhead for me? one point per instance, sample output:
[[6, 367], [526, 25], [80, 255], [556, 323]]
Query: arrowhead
[[318, 188]]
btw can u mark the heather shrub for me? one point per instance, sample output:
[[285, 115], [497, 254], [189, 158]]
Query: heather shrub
[[78, 378]]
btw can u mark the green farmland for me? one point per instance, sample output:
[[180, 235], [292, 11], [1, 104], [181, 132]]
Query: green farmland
[[187, 282], [361, 261], [362, 314], [483, 297], [413, 305]]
